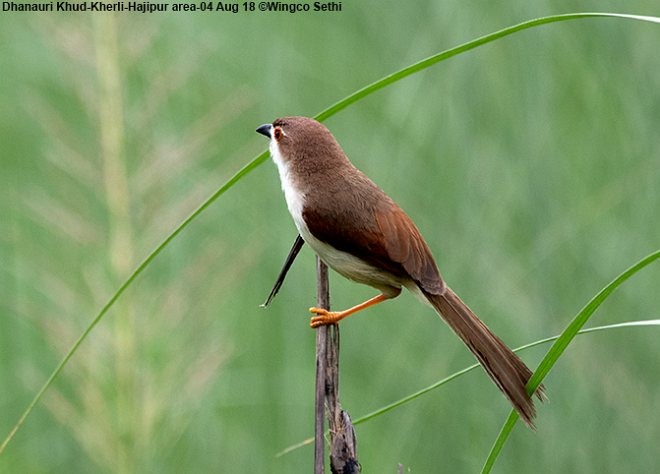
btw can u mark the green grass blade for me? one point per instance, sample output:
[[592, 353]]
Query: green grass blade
[[436, 58], [419, 393], [558, 349], [330, 111], [242, 172], [412, 396]]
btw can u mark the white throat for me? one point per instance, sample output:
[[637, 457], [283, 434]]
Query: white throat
[[294, 197]]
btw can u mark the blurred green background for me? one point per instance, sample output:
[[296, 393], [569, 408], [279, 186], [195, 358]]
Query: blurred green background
[[530, 165]]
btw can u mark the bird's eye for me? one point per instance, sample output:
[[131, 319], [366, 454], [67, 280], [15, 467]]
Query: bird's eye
[[278, 133]]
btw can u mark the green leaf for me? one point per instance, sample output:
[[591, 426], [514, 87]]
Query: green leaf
[[558, 349]]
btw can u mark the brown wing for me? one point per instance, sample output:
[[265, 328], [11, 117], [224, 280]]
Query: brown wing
[[405, 245], [378, 232]]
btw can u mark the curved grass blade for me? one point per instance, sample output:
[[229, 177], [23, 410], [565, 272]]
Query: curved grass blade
[[419, 393], [558, 349], [242, 172], [425, 63], [325, 114]]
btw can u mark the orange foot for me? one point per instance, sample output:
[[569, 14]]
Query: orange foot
[[324, 317]]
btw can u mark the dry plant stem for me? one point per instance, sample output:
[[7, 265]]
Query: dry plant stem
[[343, 450], [322, 301]]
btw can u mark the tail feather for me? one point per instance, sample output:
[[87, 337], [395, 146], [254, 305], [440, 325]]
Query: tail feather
[[503, 366]]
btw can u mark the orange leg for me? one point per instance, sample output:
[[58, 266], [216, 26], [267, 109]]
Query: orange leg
[[332, 317]]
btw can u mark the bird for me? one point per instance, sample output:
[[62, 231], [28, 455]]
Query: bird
[[362, 234]]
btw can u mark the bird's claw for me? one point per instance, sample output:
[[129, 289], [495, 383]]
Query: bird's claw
[[323, 317]]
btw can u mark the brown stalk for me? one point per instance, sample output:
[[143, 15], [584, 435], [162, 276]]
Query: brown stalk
[[343, 448]]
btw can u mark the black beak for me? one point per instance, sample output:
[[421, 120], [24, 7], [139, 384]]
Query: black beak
[[265, 129]]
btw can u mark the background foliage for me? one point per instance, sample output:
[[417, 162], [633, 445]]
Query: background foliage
[[530, 165]]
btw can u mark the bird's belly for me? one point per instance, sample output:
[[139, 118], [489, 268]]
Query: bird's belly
[[349, 265]]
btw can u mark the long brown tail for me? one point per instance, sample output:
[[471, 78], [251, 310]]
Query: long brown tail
[[503, 366]]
